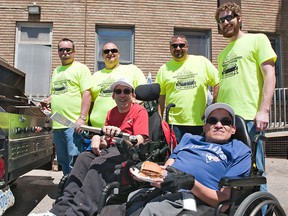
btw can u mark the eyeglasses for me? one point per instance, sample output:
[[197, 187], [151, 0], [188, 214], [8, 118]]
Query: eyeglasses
[[107, 51], [125, 91], [181, 45], [65, 49], [226, 121], [228, 18]]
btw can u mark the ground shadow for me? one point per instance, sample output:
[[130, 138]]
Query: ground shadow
[[29, 191]]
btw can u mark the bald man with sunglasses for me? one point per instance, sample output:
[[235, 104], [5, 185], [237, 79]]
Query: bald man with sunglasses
[[102, 80]]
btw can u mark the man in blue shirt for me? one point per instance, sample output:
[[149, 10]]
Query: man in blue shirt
[[208, 158]]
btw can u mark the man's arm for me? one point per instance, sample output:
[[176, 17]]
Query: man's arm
[[215, 92], [85, 106], [162, 99], [210, 196], [262, 116]]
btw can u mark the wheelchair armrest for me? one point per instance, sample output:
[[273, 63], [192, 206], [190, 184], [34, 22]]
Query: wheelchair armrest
[[110, 188], [242, 181]]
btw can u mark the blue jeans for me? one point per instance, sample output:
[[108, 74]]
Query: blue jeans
[[68, 145], [260, 153]]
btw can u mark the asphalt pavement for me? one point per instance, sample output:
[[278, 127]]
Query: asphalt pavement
[[35, 191]]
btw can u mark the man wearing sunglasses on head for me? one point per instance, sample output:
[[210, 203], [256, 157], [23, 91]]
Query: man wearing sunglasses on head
[[103, 79], [184, 81], [208, 158], [247, 73], [94, 169], [70, 97]]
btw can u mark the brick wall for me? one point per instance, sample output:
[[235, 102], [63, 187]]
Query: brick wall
[[154, 23]]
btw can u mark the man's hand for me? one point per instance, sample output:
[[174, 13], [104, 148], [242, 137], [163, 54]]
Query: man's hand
[[80, 122], [98, 142], [45, 104], [261, 120], [176, 180], [111, 131]]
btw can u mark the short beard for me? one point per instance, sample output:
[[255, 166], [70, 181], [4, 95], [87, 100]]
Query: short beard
[[235, 31]]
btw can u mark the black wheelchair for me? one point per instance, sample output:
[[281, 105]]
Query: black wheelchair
[[246, 199], [157, 149]]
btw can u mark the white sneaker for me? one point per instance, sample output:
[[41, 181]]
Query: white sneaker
[[42, 214], [7, 199]]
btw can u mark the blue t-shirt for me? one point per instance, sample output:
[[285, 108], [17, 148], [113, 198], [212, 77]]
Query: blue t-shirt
[[209, 162]]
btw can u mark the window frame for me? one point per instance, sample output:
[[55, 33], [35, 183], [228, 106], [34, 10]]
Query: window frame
[[98, 48], [194, 32], [46, 43]]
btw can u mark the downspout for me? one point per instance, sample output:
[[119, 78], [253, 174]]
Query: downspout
[[85, 32]]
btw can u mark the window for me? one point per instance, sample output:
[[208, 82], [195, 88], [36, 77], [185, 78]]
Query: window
[[123, 37], [199, 41], [33, 56], [275, 43]]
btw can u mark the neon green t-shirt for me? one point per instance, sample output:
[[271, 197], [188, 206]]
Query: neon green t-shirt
[[186, 85], [102, 96], [241, 79], [67, 85]]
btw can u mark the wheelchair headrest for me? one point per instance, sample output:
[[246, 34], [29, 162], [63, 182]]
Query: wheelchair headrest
[[242, 131], [147, 92]]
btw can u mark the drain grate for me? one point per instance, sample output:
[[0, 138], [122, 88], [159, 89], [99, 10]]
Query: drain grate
[[277, 146]]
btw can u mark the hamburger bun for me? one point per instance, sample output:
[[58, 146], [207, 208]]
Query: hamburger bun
[[151, 170]]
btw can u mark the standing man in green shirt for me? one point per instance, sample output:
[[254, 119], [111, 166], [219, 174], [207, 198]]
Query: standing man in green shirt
[[103, 79], [184, 81], [247, 73], [70, 96]]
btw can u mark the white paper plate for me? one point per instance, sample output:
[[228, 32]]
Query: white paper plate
[[135, 172]]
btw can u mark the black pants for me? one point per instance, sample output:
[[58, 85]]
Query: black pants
[[90, 174]]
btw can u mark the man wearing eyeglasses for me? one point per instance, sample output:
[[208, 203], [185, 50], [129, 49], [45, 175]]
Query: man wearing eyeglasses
[[184, 81], [247, 73], [94, 169], [103, 79], [70, 97]]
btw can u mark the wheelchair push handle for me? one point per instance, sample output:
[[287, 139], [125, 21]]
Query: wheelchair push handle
[[169, 106]]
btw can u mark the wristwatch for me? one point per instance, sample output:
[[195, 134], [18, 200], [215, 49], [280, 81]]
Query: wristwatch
[[83, 118]]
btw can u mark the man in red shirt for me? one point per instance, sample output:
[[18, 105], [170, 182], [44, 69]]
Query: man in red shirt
[[94, 169]]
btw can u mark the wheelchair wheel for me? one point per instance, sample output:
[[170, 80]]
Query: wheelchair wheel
[[254, 203]]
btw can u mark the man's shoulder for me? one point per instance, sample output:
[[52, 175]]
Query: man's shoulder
[[130, 67], [239, 146], [189, 136], [77, 64], [137, 106]]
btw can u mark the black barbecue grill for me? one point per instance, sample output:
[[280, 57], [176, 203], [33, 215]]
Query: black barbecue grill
[[26, 139]]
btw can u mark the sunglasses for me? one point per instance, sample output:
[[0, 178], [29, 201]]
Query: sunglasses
[[65, 49], [182, 45], [125, 91], [107, 51], [226, 121], [228, 18]]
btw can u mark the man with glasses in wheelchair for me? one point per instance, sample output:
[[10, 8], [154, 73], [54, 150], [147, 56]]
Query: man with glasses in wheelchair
[[94, 169], [204, 160]]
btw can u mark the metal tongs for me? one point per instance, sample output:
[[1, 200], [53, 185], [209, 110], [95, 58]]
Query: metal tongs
[[66, 122]]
